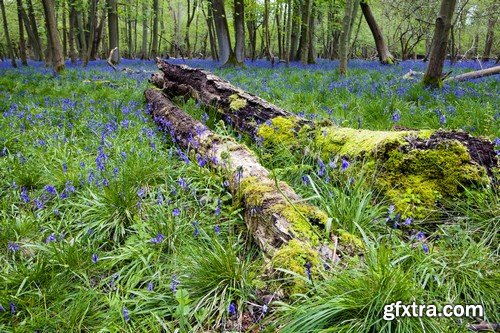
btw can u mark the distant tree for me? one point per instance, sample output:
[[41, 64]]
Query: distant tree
[[10, 50], [144, 46], [92, 30], [434, 72], [226, 54], [56, 52], [384, 55], [490, 32], [154, 39], [32, 26], [345, 35], [113, 31], [22, 42], [239, 30]]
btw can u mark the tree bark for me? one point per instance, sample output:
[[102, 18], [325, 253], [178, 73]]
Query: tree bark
[[272, 212], [53, 35], [239, 31], [34, 28], [384, 55], [489, 37], [92, 25], [288, 36], [434, 72], [345, 34], [10, 50], [144, 46], [417, 169], [22, 42], [295, 33], [304, 44], [154, 40], [226, 55], [266, 32], [211, 34], [113, 31], [32, 36]]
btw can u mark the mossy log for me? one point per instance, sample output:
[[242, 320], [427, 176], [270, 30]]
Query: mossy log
[[416, 169], [288, 230]]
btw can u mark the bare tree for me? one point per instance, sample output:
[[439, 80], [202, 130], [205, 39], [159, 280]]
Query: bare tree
[[22, 42], [433, 74], [113, 31], [384, 55], [489, 37], [345, 34]]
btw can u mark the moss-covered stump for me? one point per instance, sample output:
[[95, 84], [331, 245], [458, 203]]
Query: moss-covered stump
[[287, 230], [417, 170]]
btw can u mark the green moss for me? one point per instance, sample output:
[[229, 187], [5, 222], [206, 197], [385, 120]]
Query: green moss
[[357, 143], [282, 130], [236, 103], [293, 257], [353, 242], [254, 191], [417, 180], [305, 220]]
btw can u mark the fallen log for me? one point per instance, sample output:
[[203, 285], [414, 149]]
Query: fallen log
[[285, 228], [475, 75], [417, 170]]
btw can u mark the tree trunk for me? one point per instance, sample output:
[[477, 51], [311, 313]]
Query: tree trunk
[[92, 25], [311, 50], [303, 51], [345, 34], [34, 28], [266, 32], [384, 55], [434, 72], [239, 31], [416, 169], [53, 36], [22, 42], [211, 34], [295, 33], [10, 50], [64, 29], [113, 31], [226, 55], [71, 36], [489, 37], [32, 36], [154, 40], [144, 46], [288, 32], [252, 32], [279, 223], [98, 36]]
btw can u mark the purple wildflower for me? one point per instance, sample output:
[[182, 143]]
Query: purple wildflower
[[141, 192], [50, 189], [425, 247], [308, 266], [420, 235], [12, 308], [217, 229], [24, 195], [11, 246], [496, 142], [158, 238], [65, 167], [39, 203], [232, 309], [345, 164], [408, 221], [126, 315], [95, 258], [173, 283], [442, 119], [396, 117], [182, 183], [196, 230], [201, 161], [51, 238], [176, 212], [150, 286], [305, 180], [2, 309]]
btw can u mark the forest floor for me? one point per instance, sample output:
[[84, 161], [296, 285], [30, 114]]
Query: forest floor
[[106, 226]]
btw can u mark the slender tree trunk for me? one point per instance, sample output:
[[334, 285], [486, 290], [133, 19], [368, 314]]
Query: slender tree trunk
[[384, 55], [113, 31], [222, 31], [72, 27], [267, 37], [211, 34], [91, 34], [296, 24], [32, 38], [252, 31], [10, 50], [154, 40], [82, 50], [288, 31], [34, 28], [489, 37], [144, 46], [98, 36], [434, 72], [53, 35], [64, 29], [22, 42], [239, 30], [345, 34], [191, 10], [279, 30], [311, 51]]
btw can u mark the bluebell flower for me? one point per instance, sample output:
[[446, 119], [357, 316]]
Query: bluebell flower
[[196, 231], [150, 286], [305, 180], [496, 142], [396, 116], [2, 309], [24, 195], [51, 238], [65, 167], [391, 209], [425, 247], [308, 266], [50, 189], [232, 309], [158, 238], [173, 283], [12, 308], [442, 119], [408, 221], [345, 164], [141, 192], [39, 203], [176, 211], [13, 246], [217, 229], [201, 161], [420, 236], [183, 184], [126, 315], [115, 171], [95, 258]]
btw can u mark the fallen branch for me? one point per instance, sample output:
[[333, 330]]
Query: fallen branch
[[109, 61], [285, 228], [475, 75], [415, 169]]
